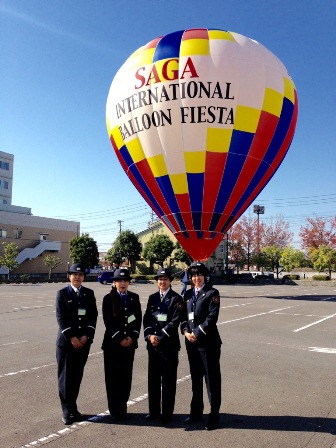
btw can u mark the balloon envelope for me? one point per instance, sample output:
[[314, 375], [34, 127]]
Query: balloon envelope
[[200, 121]]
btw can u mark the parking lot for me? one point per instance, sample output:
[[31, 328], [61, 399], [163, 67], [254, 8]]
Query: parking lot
[[278, 373]]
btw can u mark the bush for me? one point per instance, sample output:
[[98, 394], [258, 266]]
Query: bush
[[321, 277], [291, 277]]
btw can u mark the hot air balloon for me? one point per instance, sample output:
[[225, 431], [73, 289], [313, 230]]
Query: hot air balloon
[[200, 120]]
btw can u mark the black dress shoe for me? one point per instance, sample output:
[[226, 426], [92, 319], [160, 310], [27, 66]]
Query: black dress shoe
[[151, 417], [68, 420], [78, 417], [192, 419], [165, 419], [213, 423]]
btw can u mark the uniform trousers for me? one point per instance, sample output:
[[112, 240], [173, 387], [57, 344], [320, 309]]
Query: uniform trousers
[[118, 366], [204, 364], [162, 371], [71, 363]]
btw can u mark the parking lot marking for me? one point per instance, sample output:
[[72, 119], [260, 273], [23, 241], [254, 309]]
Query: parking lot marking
[[314, 323], [256, 315]]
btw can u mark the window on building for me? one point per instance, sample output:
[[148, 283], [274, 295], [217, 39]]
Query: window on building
[[17, 234], [221, 248], [43, 236], [4, 165], [3, 233], [4, 201], [4, 184]]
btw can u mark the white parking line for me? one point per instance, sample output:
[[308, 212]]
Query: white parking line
[[12, 343], [94, 419], [256, 315], [314, 323]]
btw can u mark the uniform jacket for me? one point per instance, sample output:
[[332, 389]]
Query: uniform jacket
[[75, 317], [166, 331], [204, 322], [120, 320]]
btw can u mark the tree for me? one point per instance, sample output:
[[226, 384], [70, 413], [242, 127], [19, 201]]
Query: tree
[[52, 262], [323, 258], [126, 245], [84, 249], [292, 258], [158, 249], [243, 240], [318, 232], [276, 234], [8, 259], [272, 255], [181, 255]]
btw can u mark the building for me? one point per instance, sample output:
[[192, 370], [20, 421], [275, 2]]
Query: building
[[6, 178], [216, 262], [35, 236]]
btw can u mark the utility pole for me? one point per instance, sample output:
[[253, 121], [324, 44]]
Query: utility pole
[[119, 222], [259, 210]]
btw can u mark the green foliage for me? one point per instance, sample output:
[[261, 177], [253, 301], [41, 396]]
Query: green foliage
[[321, 277], [291, 277], [181, 255], [52, 262], [272, 256], [292, 258], [84, 249], [323, 258], [158, 249], [126, 246], [8, 258]]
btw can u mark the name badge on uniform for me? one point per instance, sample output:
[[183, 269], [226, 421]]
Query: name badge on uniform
[[131, 318], [81, 311], [162, 317], [191, 316]]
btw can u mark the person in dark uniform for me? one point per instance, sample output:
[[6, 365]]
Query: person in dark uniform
[[203, 344], [122, 317], [76, 313], [161, 324], [184, 277]]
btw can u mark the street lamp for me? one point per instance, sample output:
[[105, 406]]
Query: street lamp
[[259, 210]]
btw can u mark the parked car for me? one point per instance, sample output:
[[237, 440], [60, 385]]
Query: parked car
[[105, 277]]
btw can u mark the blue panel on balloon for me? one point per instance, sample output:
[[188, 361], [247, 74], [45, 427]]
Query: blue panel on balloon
[[168, 47], [214, 221], [179, 219], [233, 167], [138, 177], [195, 187], [126, 156], [168, 223], [197, 220], [168, 193], [281, 131], [262, 169], [199, 234], [227, 223], [241, 142]]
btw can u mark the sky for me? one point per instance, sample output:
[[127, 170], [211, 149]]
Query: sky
[[59, 57]]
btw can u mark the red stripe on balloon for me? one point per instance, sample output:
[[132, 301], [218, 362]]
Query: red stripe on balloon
[[214, 170], [184, 206]]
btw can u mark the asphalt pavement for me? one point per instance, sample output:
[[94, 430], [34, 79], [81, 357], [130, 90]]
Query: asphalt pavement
[[278, 374]]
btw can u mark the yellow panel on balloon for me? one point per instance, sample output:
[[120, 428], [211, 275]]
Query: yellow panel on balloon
[[142, 56], [118, 140], [246, 119], [195, 161], [289, 89], [135, 149], [218, 140], [157, 165], [273, 101], [179, 183], [191, 47], [218, 34]]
